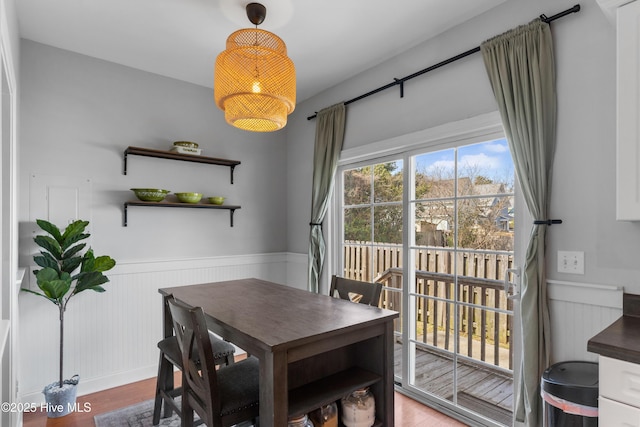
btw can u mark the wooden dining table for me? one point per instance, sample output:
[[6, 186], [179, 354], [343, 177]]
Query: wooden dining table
[[313, 349]]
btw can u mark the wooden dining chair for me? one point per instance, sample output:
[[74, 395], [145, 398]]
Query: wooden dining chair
[[221, 397], [170, 357], [355, 290]]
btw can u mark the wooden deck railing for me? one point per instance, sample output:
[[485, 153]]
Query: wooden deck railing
[[484, 318]]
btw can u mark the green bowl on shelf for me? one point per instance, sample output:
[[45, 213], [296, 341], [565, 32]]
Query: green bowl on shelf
[[189, 197], [216, 200], [150, 194]]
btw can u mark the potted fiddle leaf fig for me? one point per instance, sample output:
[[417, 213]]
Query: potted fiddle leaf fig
[[65, 273]]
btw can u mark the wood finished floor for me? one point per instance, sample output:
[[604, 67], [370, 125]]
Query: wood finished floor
[[408, 413]]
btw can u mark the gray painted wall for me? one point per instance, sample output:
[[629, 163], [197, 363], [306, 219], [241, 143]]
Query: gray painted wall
[[583, 193], [78, 114]]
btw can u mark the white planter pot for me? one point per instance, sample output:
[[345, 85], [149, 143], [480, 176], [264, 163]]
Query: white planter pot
[[61, 400]]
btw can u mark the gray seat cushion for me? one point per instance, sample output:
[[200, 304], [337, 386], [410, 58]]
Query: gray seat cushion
[[221, 349]]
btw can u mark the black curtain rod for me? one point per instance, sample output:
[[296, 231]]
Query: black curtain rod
[[401, 81]]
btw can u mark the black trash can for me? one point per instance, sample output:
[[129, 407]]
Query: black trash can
[[570, 394]]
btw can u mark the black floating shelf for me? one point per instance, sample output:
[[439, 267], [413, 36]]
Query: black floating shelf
[[230, 208], [161, 154]]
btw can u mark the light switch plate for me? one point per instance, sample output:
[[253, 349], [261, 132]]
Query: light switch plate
[[571, 262]]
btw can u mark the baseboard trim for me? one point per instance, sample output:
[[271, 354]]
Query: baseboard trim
[[99, 384]]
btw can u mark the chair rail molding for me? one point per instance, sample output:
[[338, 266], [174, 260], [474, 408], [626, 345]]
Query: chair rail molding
[[609, 8]]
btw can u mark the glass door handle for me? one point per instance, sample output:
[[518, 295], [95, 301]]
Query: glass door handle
[[511, 289]]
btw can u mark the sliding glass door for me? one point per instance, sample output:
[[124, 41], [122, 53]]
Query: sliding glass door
[[437, 229]]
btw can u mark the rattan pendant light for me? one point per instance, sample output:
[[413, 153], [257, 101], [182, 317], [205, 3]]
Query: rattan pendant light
[[255, 81]]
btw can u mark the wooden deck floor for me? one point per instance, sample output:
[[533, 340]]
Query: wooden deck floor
[[482, 390]]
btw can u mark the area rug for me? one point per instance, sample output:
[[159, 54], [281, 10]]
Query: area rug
[[138, 415]]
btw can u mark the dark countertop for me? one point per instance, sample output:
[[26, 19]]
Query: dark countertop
[[621, 340]]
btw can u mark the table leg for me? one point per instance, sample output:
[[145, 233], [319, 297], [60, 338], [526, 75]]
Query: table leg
[[274, 402], [387, 372]]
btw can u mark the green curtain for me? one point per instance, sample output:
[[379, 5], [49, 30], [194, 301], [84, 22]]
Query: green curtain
[[330, 124], [521, 68]]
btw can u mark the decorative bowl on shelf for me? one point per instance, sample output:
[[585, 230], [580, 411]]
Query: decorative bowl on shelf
[[150, 194], [189, 197], [186, 147], [216, 200], [187, 144], [186, 150]]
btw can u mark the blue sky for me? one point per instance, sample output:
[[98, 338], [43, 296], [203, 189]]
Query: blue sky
[[491, 159]]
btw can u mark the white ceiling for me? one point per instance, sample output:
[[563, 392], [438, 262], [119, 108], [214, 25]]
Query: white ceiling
[[328, 40]]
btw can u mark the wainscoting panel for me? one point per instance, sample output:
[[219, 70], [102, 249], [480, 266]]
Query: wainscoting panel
[[297, 270], [110, 338], [579, 311]]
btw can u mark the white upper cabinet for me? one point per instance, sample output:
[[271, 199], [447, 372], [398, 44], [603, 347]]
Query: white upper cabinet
[[609, 7], [628, 112]]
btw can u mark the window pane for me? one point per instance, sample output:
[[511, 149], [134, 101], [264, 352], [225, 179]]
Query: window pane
[[434, 370], [357, 224], [485, 168], [388, 224], [428, 261], [485, 223], [434, 174], [388, 182], [357, 186], [434, 223]]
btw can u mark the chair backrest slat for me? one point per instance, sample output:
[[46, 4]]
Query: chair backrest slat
[[355, 290], [199, 375]]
